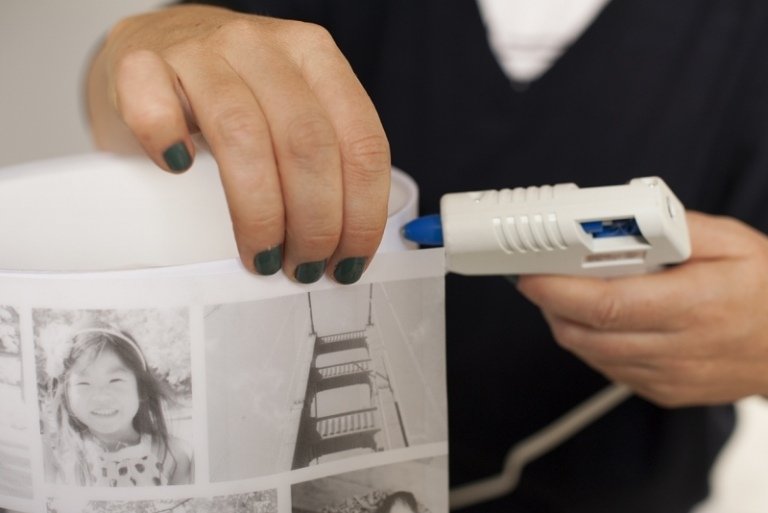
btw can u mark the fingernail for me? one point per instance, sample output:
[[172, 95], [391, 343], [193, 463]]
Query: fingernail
[[268, 261], [177, 157], [349, 270], [309, 272], [513, 279]]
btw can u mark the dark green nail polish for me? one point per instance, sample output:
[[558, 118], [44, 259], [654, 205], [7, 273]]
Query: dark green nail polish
[[349, 270], [268, 261], [177, 157], [513, 279], [310, 272]]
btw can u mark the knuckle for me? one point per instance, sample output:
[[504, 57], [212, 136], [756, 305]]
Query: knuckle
[[566, 335], [320, 38], [247, 227], [187, 49], [149, 119], [367, 155], [365, 233], [236, 31], [133, 61], [669, 397], [673, 383], [311, 34], [317, 32], [320, 242], [685, 372], [606, 313], [657, 392], [309, 136], [237, 126], [260, 34], [663, 399]]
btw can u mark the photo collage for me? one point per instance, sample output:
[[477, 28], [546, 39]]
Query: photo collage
[[216, 392]]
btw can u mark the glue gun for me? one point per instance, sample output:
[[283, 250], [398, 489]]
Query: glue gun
[[606, 231]]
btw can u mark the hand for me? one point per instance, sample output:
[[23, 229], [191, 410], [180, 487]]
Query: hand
[[303, 157], [692, 334]]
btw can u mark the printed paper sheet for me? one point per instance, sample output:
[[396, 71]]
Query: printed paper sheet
[[203, 389]]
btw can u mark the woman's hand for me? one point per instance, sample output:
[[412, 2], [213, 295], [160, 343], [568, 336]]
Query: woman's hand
[[304, 160], [692, 334]]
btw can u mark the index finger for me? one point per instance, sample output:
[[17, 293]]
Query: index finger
[[652, 302], [640, 303]]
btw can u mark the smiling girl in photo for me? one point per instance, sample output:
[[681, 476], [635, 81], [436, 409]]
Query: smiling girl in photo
[[108, 413]]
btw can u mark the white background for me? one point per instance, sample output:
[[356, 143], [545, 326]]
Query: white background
[[44, 47]]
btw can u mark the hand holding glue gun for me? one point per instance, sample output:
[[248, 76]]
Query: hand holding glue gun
[[694, 333], [688, 334], [561, 229]]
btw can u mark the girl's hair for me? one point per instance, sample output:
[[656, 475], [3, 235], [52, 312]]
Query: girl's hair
[[69, 444], [395, 498]]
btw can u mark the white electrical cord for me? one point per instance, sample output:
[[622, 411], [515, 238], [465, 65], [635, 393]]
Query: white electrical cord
[[537, 445]]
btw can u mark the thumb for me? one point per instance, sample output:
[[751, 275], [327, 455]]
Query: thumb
[[720, 237]]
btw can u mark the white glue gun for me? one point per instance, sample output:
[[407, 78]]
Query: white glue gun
[[562, 229]]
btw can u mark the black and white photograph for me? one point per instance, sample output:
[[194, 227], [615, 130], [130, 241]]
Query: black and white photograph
[[254, 502], [417, 486], [115, 396], [15, 464], [310, 378]]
